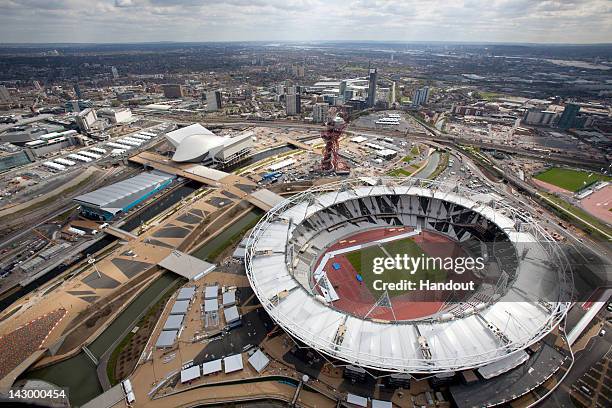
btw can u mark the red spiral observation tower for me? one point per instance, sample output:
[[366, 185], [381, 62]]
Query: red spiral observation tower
[[337, 121]]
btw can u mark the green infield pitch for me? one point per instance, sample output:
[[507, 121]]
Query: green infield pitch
[[571, 180], [363, 263]]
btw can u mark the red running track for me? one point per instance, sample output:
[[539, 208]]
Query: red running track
[[358, 300]]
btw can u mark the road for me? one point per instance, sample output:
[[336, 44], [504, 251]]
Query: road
[[596, 348]]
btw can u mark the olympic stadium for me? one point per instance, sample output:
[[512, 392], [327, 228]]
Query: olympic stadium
[[298, 261]]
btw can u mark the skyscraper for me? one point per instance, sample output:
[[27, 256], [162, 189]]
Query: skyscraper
[[213, 101], [115, 72], [372, 88], [319, 112], [294, 104], [420, 96], [568, 117]]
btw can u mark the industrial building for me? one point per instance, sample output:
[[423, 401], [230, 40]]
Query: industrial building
[[106, 202], [197, 144]]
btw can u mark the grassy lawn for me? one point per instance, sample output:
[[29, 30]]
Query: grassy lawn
[[571, 180], [363, 261], [399, 173], [489, 96], [578, 212], [415, 150], [407, 159]]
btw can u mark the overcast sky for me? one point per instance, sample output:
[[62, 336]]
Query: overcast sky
[[560, 21]]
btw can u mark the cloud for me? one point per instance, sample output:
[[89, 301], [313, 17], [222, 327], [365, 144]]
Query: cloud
[[294, 20]]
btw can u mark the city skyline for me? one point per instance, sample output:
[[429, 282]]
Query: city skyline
[[126, 21]]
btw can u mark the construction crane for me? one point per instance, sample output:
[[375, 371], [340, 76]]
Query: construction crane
[[337, 121]]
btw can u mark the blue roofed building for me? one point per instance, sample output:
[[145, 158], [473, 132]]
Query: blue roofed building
[[108, 202]]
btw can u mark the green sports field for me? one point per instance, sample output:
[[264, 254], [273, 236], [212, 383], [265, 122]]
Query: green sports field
[[571, 180], [363, 261]]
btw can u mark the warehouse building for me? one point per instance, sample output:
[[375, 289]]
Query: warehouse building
[[107, 202]]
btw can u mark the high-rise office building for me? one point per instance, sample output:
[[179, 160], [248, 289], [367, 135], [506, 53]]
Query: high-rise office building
[[392, 96], [294, 104], [319, 112], [5, 96], [342, 88], [213, 101], [420, 96], [173, 91], [115, 72], [568, 117], [372, 88]]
